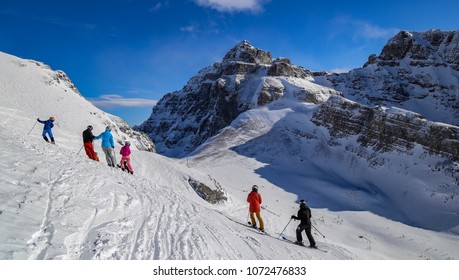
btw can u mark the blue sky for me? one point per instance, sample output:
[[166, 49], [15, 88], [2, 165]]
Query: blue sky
[[126, 54]]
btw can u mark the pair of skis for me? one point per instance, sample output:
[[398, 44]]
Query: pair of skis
[[283, 238]]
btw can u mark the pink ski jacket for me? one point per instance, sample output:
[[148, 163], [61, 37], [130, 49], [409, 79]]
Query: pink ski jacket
[[125, 151]]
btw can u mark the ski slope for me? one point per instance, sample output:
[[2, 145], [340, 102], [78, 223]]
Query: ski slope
[[57, 204]]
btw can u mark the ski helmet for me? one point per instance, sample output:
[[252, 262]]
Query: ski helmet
[[254, 188], [302, 204], [127, 142], [90, 127], [108, 128]]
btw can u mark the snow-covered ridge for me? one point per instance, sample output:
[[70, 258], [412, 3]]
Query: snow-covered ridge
[[52, 93], [416, 71]]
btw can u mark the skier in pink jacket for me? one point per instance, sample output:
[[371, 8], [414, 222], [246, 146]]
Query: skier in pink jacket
[[126, 153]]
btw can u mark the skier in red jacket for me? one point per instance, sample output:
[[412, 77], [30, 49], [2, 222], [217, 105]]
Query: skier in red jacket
[[254, 198]]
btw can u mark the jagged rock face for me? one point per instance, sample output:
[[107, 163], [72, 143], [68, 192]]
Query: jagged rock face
[[246, 78], [437, 48], [283, 67], [417, 71], [244, 52], [386, 130]]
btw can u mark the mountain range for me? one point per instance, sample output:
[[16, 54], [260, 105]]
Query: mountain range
[[380, 177]]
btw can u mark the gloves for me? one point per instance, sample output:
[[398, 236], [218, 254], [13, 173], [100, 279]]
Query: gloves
[[38, 119], [113, 147], [293, 217]]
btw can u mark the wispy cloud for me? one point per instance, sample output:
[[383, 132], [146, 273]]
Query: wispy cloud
[[196, 28], [232, 5], [340, 70], [111, 101], [189, 28], [364, 29], [158, 6]]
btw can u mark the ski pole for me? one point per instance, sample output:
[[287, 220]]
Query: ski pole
[[317, 230], [32, 128], [248, 218], [80, 150], [284, 228], [264, 208]]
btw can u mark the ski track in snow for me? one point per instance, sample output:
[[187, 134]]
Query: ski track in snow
[[56, 204]]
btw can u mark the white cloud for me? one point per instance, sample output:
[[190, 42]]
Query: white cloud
[[190, 28], [158, 6], [364, 29], [110, 101], [340, 70], [232, 5]]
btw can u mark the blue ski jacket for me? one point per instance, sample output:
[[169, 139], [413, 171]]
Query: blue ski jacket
[[107, 139], [48, 124]]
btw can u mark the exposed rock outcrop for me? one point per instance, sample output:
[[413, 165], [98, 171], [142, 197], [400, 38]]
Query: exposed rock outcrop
[[387, 129], [417, 71]]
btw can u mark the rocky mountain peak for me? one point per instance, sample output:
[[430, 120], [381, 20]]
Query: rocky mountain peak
[[416, 71], [433, 47], [245, 52]]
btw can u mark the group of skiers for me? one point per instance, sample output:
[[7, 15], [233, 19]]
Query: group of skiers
[[304, 215], [108, 145]]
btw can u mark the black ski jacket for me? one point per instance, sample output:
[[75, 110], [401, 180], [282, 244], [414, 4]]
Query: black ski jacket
[[87, 136], [304, 215]]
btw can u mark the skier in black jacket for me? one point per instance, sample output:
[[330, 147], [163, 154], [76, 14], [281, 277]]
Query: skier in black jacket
[[304, 215], [88, 137]]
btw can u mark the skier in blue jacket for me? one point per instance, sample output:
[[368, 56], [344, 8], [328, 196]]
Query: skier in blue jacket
[[108, 146], [47, 129]]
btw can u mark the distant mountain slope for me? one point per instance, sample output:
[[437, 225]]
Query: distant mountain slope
[[51, 93], [246, 78], [416, 71], [326, 154]]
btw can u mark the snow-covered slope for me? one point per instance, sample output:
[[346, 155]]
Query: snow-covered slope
[[32, 89], [302, 156], [55, 204]]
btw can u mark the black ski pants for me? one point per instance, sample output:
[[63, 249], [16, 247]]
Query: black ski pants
[[306, 228]]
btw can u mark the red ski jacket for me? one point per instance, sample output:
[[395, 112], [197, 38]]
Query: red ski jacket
[[254, 198]]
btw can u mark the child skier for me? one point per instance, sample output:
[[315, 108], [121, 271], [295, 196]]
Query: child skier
[[47, 129], [125, 153]]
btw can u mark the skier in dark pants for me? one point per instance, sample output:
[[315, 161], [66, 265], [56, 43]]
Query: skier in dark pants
[[304, 215]]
